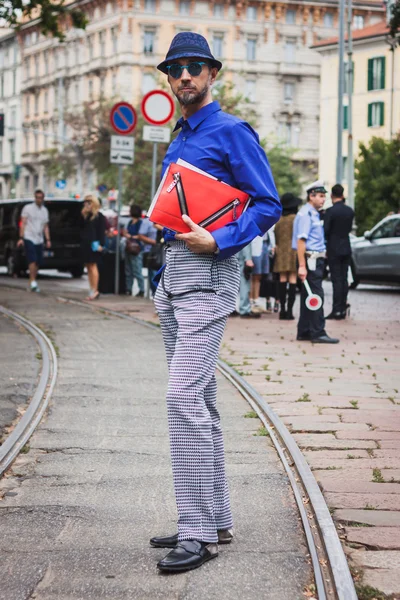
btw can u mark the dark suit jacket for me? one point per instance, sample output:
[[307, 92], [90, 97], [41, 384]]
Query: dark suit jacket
[[338, 221]]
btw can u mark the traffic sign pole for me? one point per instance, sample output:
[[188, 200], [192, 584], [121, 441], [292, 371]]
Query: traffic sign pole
[[154, 170], [117, 250], [123, 119]]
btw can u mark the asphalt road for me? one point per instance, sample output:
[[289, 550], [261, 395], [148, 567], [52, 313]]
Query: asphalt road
[[80, 506]]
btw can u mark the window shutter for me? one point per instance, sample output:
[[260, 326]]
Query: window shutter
[[381, 113], [345, 117], [370, 76], [383, 65], [369, 115]]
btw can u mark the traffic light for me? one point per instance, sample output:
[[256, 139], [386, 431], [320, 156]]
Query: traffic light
[[1, 124]]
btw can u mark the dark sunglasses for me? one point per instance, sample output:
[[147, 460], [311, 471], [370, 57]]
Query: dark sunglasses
[[194, 69]]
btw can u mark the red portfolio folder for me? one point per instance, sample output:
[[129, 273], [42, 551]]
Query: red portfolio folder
[[184, 189]]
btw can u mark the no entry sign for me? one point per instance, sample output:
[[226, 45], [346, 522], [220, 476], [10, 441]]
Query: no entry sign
[[158, 107], [123, 118]]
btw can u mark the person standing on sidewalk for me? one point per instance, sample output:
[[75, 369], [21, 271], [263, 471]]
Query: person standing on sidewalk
[[246, 273], [144, 232], [308, 239], [338, 223], [285, 263], [93, 239], [197, 293], [34, 223]]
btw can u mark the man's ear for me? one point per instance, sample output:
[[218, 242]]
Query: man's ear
[[214, 74]]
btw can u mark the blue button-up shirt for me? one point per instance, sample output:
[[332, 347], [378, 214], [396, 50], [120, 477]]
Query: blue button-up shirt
[[308, 226], [229, 149]]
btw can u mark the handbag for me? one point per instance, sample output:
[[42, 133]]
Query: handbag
[[155, 257], [133, 247]]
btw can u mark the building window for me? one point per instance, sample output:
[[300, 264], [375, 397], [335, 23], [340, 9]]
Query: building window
[[150, 6], [90, 46], [285, 133], [36, 104], [345, 117], [346, 77], [376, 73], [148, 83], [290, 17], [358, 22], [56, 59], [184, 7], [36, 62], [251, 49], [27, 184], [27, 67], [27, 105], [376, 116], [217, 45], [290, 51], [250, 90], [114, 39], [46, 62], [148, 42], [46, 101], [344, 167], [288, 92], [218, 10], [90, 89], [251, 13], [328, 19], [35, 141], [102, 43], [76, 92]]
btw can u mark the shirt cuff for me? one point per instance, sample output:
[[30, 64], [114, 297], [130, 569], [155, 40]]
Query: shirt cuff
[[224, 245]]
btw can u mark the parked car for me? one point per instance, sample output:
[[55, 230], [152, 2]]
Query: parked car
[[64, 253], [376, 254]]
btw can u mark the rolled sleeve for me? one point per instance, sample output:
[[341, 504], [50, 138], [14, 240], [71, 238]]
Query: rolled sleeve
[[303, 227], [247, 162]]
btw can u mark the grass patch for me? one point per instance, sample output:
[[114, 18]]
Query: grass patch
[[354, 403], [38, 355], [377, 476], [279, 372], [351, 456], [25, 449], [251, 415], [369, 507], [268, 377], [391, 399], [370, 452], [304, 398], [261, 432], [366, 592]]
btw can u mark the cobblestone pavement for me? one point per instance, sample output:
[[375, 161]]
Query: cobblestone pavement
[[18, 371], [342, 405], [78, 509]]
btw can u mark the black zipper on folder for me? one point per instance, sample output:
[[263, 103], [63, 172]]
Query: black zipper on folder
[[220, 213], [181, 194]]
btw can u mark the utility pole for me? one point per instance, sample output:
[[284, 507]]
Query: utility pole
[[350, 157], [339, 155]]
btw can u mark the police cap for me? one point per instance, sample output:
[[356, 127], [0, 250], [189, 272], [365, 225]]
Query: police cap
[[316, 187]]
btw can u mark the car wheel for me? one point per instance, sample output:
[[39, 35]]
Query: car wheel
[[77, 272], [356, 280]]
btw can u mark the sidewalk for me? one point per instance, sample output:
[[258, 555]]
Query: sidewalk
[[342, 405], [80, 506]]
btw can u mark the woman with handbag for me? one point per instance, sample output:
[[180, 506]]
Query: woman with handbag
[[139, 238], [93, 229]]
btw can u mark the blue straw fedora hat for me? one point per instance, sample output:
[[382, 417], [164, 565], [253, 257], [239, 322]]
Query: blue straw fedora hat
[[187, 45]]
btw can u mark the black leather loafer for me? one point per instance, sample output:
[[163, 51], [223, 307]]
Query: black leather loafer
[[225, 536], [188, 555], [325, 339]]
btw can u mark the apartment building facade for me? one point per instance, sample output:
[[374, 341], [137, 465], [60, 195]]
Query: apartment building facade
[[264, 46], [376, 95], [10, 108]]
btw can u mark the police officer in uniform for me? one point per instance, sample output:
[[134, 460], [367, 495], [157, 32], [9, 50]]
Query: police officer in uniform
[[309, 241], [338, 222]]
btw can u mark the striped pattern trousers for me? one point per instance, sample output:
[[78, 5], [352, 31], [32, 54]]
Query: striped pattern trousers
[[193, 301]]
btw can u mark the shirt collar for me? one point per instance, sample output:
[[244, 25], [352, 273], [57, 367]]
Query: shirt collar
[[199, 116]]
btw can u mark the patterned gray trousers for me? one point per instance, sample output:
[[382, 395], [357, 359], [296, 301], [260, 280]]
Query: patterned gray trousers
[[193, 301]]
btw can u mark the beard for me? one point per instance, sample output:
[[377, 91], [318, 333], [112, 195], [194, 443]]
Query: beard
[[187, 97]]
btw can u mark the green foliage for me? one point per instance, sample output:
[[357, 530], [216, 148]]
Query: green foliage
[[234, 103], [394, 24], [378, 181], [52, 15], [286, 174]]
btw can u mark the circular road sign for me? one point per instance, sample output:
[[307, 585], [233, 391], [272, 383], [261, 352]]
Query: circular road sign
[[123, 118], [158, 107]]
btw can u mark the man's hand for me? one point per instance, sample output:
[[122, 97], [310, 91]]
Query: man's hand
[[20, 243], [302, 273], [199, 240], [249, 263]]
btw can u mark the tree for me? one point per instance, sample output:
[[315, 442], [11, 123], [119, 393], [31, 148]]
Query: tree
[[286, 174], [394, 24], [378, 181], [51, 14]]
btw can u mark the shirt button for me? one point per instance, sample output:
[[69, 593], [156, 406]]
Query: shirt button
[[184, 139]]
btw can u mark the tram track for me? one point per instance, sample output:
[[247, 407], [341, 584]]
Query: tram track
[[39, 402], [333, 580]]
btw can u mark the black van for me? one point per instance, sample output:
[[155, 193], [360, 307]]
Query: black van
[[64, 253]]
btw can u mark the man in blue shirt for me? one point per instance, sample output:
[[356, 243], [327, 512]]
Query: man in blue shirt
[[197, 292], [309, 241]]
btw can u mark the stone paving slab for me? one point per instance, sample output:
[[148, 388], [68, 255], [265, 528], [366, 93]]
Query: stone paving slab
[[376, 538], [80, 506]]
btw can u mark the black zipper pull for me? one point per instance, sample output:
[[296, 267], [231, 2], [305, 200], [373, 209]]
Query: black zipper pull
[[235, 204]]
